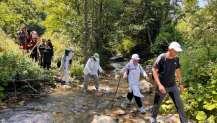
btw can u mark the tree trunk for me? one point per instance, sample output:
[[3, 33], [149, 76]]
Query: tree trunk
[[77, 5], [86, 32], [98, 32]]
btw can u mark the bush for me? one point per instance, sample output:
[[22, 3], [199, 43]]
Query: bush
[[14, 63], [200, 75], [201, 99], [126, 46]]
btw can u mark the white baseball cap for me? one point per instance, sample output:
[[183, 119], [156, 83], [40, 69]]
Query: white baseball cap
[[135, 57], [176, 46]]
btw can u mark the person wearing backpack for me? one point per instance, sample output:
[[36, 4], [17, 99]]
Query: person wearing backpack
[[92, 69], [132, 72], [22, 37], [65, 65], [32, 45], [48, 54], [166, 68]]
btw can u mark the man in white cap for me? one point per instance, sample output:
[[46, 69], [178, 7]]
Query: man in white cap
[[166, 69], [132, 72], [91, 69]]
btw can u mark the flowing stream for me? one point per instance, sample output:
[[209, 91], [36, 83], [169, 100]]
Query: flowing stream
[[68, 105]]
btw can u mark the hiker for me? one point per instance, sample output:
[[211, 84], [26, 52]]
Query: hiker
[[166, 69], [33, 35], [33, 49], [40, 49], [132, 72], [51, 46], [66, 61], [91, 69], [48, 54], [32, 45], [22, 37]]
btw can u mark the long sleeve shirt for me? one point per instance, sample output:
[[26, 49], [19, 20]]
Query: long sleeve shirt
[[134, 72], [92, 67]]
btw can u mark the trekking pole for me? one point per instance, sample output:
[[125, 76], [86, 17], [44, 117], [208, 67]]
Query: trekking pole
[[112, 104], [33, 48], [117, 86]]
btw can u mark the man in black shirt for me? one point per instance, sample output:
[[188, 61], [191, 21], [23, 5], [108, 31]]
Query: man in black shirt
[[166, 69]]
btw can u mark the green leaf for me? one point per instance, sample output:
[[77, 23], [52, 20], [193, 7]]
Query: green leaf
[[200, 98], [209, 106], [211, 119], [1, 88], [201, 116]]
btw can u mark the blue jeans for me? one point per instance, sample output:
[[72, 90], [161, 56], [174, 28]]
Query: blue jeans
[[175, 95]]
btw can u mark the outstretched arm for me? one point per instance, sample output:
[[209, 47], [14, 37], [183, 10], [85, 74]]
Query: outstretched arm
[[142, 71], [179, 79]]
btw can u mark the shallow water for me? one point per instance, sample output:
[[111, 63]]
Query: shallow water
[[68, 105]]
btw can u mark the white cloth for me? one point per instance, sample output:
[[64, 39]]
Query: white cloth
[[134, 76], [92, 67], [65, 66]]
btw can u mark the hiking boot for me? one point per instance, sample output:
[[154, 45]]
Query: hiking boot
[[67, 83], [153, 120], [63, 82], [142, 110], [129, 103]]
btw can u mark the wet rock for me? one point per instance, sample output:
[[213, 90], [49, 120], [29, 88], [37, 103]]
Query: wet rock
[[103, 105], [21, 103], [118, 66], [145, 86], [103, 119], [170, 118], [118, 112], [30, 117], [118, 58]]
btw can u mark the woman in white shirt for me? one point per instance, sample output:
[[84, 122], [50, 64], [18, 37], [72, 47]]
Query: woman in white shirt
[[132, 72], [91, 69]]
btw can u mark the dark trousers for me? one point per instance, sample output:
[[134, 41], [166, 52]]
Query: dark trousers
[[47, 64], [137, 99], [41, 60], [175, 95], [34, 56]]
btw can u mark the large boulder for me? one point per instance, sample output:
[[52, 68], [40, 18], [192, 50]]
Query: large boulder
[[146, 86]]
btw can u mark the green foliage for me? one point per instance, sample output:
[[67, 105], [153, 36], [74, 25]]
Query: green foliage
[[126, 46], [77, 69], [15, 65], [15, 13], [167, 34], [201, 116], [199, 66]]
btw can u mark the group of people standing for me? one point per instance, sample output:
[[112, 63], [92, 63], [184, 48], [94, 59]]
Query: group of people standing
[[40, 50], [166, 70]]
